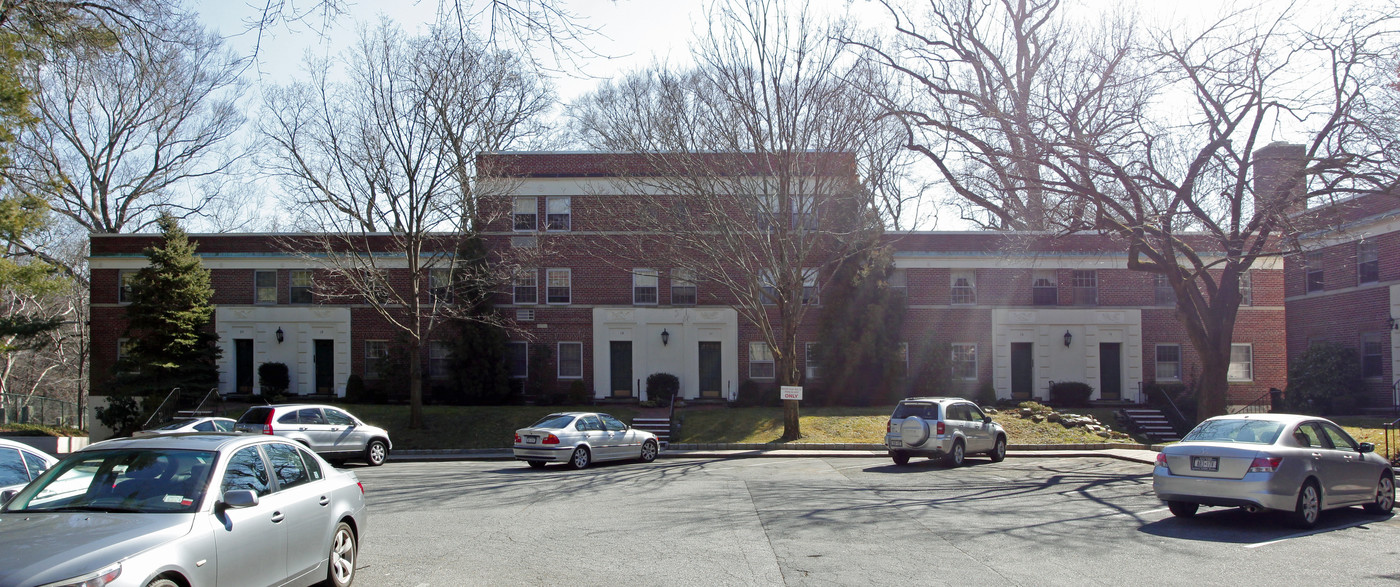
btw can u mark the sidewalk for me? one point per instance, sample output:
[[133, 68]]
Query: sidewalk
[[1129, 452]]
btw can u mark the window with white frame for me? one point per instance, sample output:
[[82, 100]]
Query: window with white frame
[[1372, 354], [964, 286], [124, 278], [1314, 274], [1086, 287], [768, 287], [264, 287], [439, 359], [526, 215], [1168, 362], [1045, 289], [683, 287], [571, 360], [1247, 287], [814, 360], [518, 359], [760, 361], [557, 213], [809, 286], [1241, 363], [899, 283], [902, 359], [964, 360], [804, 212], [644, 284], [766, 211], [1162, 292], [125, 346], [558, 289], [299, 287], [1368, 261], [376, 353], [525, 289], [440, 285]]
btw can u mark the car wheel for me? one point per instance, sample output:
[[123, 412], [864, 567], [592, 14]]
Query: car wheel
[[1183, 509], [1385, 496], [1309, 506], [376, 453], [649, 451], [342, 560], [954, 458], [536, 464], [900, 457], [162, 582], [580, 458], [998, 453]]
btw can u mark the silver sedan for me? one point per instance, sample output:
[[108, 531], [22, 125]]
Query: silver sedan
[[1297, 464], [580, 438], [179, 425], [184, 509]]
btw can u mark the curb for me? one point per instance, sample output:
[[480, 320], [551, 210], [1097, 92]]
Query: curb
[[799, 450]]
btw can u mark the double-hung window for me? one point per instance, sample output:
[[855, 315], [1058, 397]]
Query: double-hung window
[[809, 286], [1045, 290], [1162, 292], [1372, 353], [571, 360], [1247, 288], [1241, 363], [1313, 267], [557, 214], [1086, 287], [124, 278], [768, 288], [439, 359], [760, 361], [376, 353], [964, 360], [644, 284], [902, 359], [682, 287], [525, 289], [557, 284], [899, 284], [814, 360], [964, 287], [1168, 362], [804, 212], [299, 287], [518, 359], [526, 215], [264, 287], [440, 285], [1368, 262]]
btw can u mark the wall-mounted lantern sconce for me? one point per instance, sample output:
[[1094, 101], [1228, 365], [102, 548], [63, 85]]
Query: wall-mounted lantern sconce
[[1068, 337], [1394, 323], [665, 337], [280, 336]]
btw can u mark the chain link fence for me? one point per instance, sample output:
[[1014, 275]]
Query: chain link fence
[[43, 411]]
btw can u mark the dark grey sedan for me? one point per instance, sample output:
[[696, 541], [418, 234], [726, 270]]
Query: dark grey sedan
[[185, 509]]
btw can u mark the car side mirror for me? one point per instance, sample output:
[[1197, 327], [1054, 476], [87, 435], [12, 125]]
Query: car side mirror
[[239, 498], [1366, 447], [7, 495], [986, 419]]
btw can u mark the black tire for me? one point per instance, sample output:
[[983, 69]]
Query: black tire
[[343, 556], [162, 582], [536, 464], [649, 451], [1309, 508], [955, 457], [1385, 496], [1183, 509], [376, 452], [998, 452], [580, 458], [900, 457]]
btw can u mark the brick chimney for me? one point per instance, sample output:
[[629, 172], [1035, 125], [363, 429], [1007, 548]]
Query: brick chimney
[[1278, 169]]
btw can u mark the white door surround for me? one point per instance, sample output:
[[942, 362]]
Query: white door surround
[[685, 329], [1079, 361]]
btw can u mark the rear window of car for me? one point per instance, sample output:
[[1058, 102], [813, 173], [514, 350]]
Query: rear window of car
[[925, 411], [554, 421], [1236, 430], [255, 416]]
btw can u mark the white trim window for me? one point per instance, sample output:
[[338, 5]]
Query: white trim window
[[1164, 295], [571, 360], [683, 290], [1368, 262], [124, 278], [1312, 267], [1241, 362], [768, 289], [525, 215], [1045, 288], [899, 283], [440, 285], [299, 287], [903, 358], [558, 214], [525, 289], [1086, 287], [518, 359], [809, 286], [376, 353], [804, 212], [761, 364], [1247, 287], [559, 288], [1168, 362], [439, 359], [265, 287], [1372, 354], [964, 360], [814, 360], [644, 287], [125, 346], [964, 283]]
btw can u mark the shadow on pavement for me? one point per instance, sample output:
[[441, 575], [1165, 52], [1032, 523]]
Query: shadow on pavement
[[1236, 526]]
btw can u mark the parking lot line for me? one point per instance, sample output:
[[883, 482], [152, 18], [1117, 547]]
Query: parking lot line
[[1308, 533]]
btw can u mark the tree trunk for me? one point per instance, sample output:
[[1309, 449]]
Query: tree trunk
[[415, 387], [786, 364], [1214, 384]]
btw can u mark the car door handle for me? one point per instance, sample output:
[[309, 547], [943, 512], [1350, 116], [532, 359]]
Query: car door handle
[[325, 500], [276, 517], [1317, 455], [303, 429]]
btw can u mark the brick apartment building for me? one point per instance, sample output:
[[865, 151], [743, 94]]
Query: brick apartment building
[[1018, 310]]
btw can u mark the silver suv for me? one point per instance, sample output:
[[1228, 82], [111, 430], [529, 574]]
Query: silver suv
[[942, 427], [332, 432]]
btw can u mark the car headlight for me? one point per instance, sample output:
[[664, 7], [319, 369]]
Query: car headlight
[[97, 579]]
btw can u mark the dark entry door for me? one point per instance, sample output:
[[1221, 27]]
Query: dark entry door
[[621, 354], [1022, 370], [1110, 371], [711, 372], [243, 364], [325, 366]]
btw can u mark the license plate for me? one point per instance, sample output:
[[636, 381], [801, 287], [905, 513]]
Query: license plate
[[896, 443], [1211, 464], [531, 439]]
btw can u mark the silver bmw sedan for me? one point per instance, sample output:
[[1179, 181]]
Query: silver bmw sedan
[[184, 509], [1301, 465], [581, 438]]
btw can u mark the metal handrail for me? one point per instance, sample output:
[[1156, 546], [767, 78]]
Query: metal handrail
[[1388, 428], [1180, 417], [1395, 395], [157, 412], [1268, 395]]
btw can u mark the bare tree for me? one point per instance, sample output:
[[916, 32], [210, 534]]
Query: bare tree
[[379, 165], [748, 165]]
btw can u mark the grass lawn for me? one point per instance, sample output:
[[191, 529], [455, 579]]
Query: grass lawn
[[856, 425], [465, 427]]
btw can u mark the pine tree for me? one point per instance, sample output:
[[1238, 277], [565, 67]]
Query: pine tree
[[479, 368], [860, 324], [169, 321]]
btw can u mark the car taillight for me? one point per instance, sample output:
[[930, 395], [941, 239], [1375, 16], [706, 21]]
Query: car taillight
[[940, 428], [517, 439], [1265, 464], [1161, 459], [889, 425], [362, 486], [551, 439], [267, 426]]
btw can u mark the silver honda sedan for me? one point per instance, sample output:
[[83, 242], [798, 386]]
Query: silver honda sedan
[[185, 509], [1297, 464], [580, 438]]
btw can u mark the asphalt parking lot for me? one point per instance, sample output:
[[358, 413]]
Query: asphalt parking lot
[[837, 521]]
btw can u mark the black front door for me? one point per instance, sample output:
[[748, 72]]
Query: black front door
[[243, 364], [1022, 370], [1110, 371], [621, 354], [711, 373], [325, 366]]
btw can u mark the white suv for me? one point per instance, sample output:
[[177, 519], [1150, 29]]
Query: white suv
[[942, 427], [332, 432]]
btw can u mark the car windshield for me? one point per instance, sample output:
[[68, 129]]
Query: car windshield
[[174, 425], [1236, 430], [925, 411], [124, 480], [257, 415], [554, 421]]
